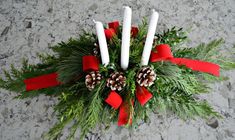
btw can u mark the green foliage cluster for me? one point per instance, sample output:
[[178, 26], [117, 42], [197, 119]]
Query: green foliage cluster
[[174, 90]]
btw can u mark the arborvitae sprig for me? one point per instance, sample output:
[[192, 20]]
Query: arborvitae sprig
[[184, 107], [93, 111], [173, 37]]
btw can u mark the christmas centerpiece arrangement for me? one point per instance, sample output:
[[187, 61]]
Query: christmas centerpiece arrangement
[[121, 74]]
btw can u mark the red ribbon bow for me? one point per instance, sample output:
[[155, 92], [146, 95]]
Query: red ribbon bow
[[163, 53], [115, 100], [113, 30]]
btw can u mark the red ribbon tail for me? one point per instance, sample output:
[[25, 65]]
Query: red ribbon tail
[[125, 113], [143, 95], [114, 100], [43, 81], [163, 53], [198, 65]]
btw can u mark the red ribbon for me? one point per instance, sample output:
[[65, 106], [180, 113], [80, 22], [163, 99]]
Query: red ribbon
[[163, 53], [43, 81], [125, 117], [143, 95], [90, 62], [114, 25], [113, 29], [115, 100], [109, 33], [134, 31], [50, 80]]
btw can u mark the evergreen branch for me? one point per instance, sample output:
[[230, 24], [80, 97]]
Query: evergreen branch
[[14, 79], [73, 130], [205, 52], [69, 108], [140, 113], [83, 44], [70, 56], [92, 114], [131, 82], [142, 30], [185, 107], [115, 50], [70, 67], [173, 37], [56, 130], [177, 83]]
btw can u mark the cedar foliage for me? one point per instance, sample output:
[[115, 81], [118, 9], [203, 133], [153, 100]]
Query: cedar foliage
[[174, 90]]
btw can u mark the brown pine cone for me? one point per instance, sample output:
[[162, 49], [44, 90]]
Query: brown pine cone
[[117, 81], [92, 79], [146, 76]]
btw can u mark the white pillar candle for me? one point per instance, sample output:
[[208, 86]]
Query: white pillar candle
[[126, 35], [149, 39], [102, 42]]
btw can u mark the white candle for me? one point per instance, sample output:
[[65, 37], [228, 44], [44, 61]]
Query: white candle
[[126, 35], [150, 37], [102, 43]]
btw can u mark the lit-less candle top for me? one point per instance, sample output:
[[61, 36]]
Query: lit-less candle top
[[150, 37]]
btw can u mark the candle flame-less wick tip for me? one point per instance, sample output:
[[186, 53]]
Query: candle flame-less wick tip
[[125, 7], [154, 11]]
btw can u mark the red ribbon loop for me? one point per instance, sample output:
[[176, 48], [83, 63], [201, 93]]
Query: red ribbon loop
[[114, 25], [114, 100], [113, 30], [109, 33], [163, 52], [90, 62], [43, 81], [134, 31]]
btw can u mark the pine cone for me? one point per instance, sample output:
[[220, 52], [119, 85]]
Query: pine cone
[[146, 76], [92, 79], [117, 81]]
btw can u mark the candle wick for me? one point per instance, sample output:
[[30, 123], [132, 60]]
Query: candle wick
[[125, 7], [94, 21], [153, 10]]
